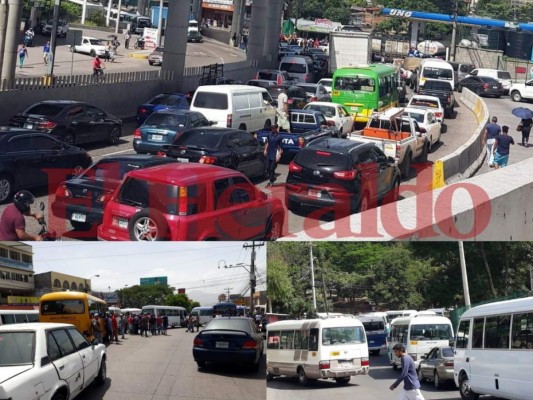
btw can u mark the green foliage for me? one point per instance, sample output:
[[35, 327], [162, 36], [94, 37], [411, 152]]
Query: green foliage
[[98, 18], [180, 300], [138, 296]]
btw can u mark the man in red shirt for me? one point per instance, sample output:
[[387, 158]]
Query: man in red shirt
[[13, 224], [97, 66], [114, 328]]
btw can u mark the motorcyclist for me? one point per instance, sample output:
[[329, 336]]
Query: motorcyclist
[[28, 37], [140, 42], [13, 224]]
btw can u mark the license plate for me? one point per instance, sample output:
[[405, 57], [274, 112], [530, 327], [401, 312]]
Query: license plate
[[346, 364], [79, 217], [182, 159], [28, 126], [389, 147], [495, 87], [371, 341], [354, 109], [221, 345], [157, 138], [314, 193]]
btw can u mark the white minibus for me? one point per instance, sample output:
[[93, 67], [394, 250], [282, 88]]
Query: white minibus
[[419, 334], [494, 351], [334, 348], [132, 311], [399, 313], [435, 69], [18, 316], [249, 108], [205, 313], [176, 315]]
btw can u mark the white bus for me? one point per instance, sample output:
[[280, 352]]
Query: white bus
[[18, 316], [176, 315], [419, 334], [391, 314], [334, 348], [435, 69], [206, 313], [132, 311], [494, 350], [115, 310]]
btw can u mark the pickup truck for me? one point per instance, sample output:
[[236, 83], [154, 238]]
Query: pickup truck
[[522, 91], [397, 135], [441, 89], [92, 46], [306, 125]]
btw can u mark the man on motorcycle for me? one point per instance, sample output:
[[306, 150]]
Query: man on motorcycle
[[28, 37], [12, 223]]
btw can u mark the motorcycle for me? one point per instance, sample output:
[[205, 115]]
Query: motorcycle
[[28, 38], [139, 44], [45, 233]]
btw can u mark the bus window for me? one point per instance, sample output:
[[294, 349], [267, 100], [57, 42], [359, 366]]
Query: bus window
[[342, 335], [57, 307], [522, 331], [477, 333], [462, 334], [273, 340], [313, 339], [363, 84], [286, 340]]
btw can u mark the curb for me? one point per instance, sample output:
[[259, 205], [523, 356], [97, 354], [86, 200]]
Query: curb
[[139, 56]]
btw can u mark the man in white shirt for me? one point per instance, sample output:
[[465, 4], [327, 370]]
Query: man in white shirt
[[283, 112]]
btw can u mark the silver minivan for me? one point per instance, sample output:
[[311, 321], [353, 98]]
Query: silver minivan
[[299, 67]]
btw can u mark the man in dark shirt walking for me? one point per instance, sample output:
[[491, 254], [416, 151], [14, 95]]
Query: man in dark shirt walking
[[492, 131], [411, 384], [501, 148], [272, 147]]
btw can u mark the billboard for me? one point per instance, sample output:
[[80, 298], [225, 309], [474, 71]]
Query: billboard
[[157, 280]]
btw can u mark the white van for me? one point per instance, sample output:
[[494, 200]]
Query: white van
[[18, 316], [504, 77], [436, 69], [298, 67], [248, 108]]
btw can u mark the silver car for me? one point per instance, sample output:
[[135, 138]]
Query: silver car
[[437, 366]]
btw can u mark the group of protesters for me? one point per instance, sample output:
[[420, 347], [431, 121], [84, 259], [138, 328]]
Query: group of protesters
[[107, 327]]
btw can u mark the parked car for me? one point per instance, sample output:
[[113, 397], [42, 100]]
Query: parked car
[[297, 97], [73, 122], [261, 83], [62, 27], [30, 159], [156, 56], [437, 366], [227, 81], [190, 201], [334, 112], [229, 339], [315, 92], [82, 199], [163, 127], [275, 75], [428, 123], [341, 175], [163, 101], [48, 361], [482, 86], [226, 147]]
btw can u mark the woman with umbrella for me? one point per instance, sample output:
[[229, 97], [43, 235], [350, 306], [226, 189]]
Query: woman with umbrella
[[525, 125]]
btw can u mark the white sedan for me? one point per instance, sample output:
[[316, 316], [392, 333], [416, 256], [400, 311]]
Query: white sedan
[[334, 112], [429, 102], [428, 122], [47, 361]]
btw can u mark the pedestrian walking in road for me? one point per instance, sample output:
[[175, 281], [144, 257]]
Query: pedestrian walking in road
[[190, 323], [114, 328], [501, 148], [492, 130], [23, 53], [411, 384], [97, 331], [46, 52], [282, 112], [127, 37], [144, 324], [272, 153], [153, 325], [526, 129], [197, 322], [165, 324]]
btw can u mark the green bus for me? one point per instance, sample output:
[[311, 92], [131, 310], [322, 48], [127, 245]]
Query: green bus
[[364, 89]]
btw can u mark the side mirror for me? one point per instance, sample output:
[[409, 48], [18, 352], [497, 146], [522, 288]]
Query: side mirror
[[94, 342], [422, 130], [41, 206], [212, 122]]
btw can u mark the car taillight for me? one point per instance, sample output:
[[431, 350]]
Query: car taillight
[[182, 204], [161, 154], [142, 110], [438, 114], [249, 344], [398, 149], [306, 78], [137, 133], [301, 142], [449, 99], [448, 364], [229, 120], [323, 153], [365, 362], [314, 98], [47, 125], [198, 342], [290, 101], [345, 175], [207, 160], [280, 81], [324, 365], [293, 167], [485, 86], [62, 191]]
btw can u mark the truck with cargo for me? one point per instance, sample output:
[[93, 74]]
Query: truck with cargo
[[348, 49]]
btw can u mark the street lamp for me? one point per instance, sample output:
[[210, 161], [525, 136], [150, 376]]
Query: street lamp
[[87, 288]]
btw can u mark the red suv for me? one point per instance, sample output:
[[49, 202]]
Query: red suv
[[190, 202]]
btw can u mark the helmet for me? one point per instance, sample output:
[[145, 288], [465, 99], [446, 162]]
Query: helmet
[[23, 200]]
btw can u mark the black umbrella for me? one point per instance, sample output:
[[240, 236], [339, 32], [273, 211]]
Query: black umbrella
[[522, 112]]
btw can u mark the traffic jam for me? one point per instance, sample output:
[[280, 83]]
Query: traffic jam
[[198, 158]]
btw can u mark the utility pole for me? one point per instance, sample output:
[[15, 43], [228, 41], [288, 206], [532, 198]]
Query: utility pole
[[324, 291], [312, 274], [3, 26], [252, 271], [53, 39], [463, 274], [227, 290], [454, 30]]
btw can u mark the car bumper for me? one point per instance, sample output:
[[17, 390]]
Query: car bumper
[[111, 234], [63, 210], [332, 200], [342, 372], [446, 374], [236, 357], [141, 146]]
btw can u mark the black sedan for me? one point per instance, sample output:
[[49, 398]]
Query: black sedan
[[82, 199], [226, 147], [229, 340], [73, 122], [31, 159], [482, 86]]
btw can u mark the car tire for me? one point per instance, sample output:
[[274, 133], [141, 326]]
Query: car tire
[[102, 373], [302, 377], [92, 53], [268, 124], [465, 390], [6, 188], [342, 381], [436, 380], [275, 227], [421, 377], [340, 134], [516, 96], [459, 88], [242, 127], [148, 224], [114, 134], [394, 367], [269, 377], [201, 364], [423, 158], [81, 226], [59, 396], [69, 139], [405, 167], [150, 62]]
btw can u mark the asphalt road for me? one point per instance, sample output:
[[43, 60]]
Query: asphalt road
[[374, 386], [163, 368]]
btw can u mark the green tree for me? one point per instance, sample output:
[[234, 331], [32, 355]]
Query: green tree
[[138, 296], [179, 300]]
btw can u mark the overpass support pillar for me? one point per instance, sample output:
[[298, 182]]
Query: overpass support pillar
[[258, 26], [12, 37], [273, 28], [197, 10], [175, 49]]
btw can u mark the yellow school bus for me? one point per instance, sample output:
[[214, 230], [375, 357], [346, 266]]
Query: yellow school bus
[[71, 308]]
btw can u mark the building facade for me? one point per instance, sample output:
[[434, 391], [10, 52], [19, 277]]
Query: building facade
[[16, 271], [48, 282]]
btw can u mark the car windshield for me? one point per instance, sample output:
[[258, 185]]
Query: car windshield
[[431, 332], [357, 83], [293, 68], [114, 170], [58, 307], [424, 103], [228, 323], [215, 101], [504, 75], [165, 100], [49, 110], [16, 348], [201, 139], [372, 326], [267, 75], [417, 117], [343, 335], [437, 73], [165, 120], [448, 352], [96, 42], [313, 158]]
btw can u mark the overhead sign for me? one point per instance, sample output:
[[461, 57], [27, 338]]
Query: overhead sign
[[226, 5], [150, 36], [22, 300], [394, 12], [157, 280], [181, 291]]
